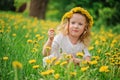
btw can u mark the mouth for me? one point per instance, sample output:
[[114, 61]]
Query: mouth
[[75, 30]]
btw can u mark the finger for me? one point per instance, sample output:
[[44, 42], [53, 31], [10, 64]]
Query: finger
[[51, 30]]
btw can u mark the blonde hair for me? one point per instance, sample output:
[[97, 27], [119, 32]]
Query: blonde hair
[[63, 27]]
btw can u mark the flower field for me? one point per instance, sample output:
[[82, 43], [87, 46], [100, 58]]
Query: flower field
[[21, 42]]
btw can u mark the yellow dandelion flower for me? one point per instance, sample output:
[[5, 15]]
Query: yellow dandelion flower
[[1, 31], [48, 61], [114, 41], [14, 35], [29, 41], [80, 54], [36, 66], [104, 69], [16, 64], [111, 45], [107, 54], [67, 15], [57, 62], [56, 76], [63, 63], [73, 73], [44, 73], [27, 35], [91, 48], [41, 37], [37, 35], [84, 68], [69, 56], [93, 62], [51, 71], [96, 57], [103, 39], [32, 61], [53, 59], [5, 58], [97, 42], [47, 72], [99, 50], [84, 62], [34, 50]]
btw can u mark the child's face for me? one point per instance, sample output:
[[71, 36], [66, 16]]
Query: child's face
[[77, 25]]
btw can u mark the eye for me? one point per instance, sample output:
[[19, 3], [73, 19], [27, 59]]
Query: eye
[[72, 22], [80, 24]]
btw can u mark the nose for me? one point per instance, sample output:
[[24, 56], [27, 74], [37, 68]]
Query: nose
[[75, 25]]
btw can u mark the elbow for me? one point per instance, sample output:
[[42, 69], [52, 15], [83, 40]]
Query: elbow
[[45, 53]]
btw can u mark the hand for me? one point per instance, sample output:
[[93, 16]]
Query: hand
[[76, 61], [87, 58], [51, 34]]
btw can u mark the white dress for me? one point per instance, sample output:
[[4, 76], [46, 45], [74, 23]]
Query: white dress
[[62, 44]]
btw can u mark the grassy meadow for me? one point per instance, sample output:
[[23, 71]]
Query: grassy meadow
[[21, 42]]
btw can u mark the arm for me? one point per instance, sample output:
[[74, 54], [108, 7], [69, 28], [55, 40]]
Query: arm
[[87, 58], [87, 55], [46, 48]]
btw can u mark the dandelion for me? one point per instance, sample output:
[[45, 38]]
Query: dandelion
[[16, 64], [107, 54], [103, 69], [103, 39], [44, 73], [1, 31], [97, 42], [73, 73], [99, 50], [32, 61], [56, 76], [47, 72], [34, 50], [53, 59], [48, 61], [69, 56], [91, 48], [50, 71], [14, 35], [37, 35], [96, 57], [5, 58], [114, 41], [36, 66], [57, 62], [84, 62], [41, 37], [93, 62], [80, 54], [112, 45], [27, 35], [84, 68], [63, 63], [29, 41]]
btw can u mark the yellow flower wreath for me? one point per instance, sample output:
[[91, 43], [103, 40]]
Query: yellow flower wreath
[[69, 14]]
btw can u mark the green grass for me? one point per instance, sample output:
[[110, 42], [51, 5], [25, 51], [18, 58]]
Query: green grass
[[22, 39]]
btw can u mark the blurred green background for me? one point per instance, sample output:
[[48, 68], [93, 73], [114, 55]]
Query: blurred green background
[[105, 12]]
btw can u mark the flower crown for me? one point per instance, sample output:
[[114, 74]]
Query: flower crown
[[69, 14]]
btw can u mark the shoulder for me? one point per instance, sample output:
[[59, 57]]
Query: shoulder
[[59, 36]]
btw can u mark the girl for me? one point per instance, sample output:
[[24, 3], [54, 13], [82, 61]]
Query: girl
[[73, 36]]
